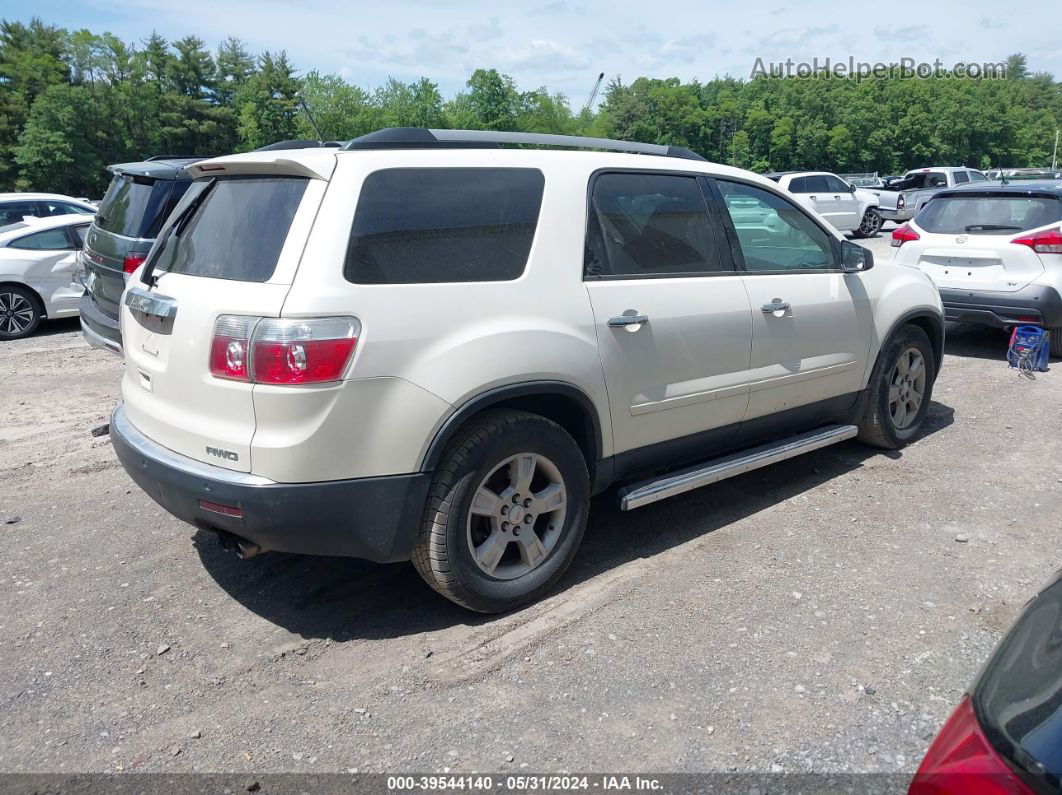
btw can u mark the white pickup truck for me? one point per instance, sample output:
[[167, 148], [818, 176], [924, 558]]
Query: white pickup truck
[[846, 207], [901, 199]]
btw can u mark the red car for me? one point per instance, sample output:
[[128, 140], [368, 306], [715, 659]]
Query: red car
[[1006, 734]]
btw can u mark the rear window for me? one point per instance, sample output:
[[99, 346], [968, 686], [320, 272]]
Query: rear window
[[1018, 698], [137, 206], [988, 215], [237, 231], [429, 225]]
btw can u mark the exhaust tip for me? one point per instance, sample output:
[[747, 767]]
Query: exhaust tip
[[231, 542]]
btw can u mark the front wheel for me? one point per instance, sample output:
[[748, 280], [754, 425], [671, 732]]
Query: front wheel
[[899, 390], [20, 312], [505, 514], [870, 224]]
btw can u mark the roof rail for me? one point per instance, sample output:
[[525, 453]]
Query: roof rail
[[300, 144], [420, 138], [173, 157]]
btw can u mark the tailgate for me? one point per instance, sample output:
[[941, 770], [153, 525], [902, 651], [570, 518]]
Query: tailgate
[[234, 252], [999, 268]]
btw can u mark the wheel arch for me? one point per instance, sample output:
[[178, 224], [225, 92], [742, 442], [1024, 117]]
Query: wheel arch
[[563, 403], [931, 323], [42, 307]]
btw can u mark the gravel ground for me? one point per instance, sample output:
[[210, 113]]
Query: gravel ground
[[824, 614]]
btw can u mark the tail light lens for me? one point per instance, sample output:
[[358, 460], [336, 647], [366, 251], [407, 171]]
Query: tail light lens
[[230, 347], [133, 260], [1048, 241], [962, 760], [901, 202], [282, 351], [902, 234]]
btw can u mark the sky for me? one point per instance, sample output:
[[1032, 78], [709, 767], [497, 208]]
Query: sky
[[565, 44]]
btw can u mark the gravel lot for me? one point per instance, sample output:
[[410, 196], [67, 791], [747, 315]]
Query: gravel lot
[[823, 614]]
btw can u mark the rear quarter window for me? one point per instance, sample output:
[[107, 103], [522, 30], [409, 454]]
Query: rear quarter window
[[431, 225]]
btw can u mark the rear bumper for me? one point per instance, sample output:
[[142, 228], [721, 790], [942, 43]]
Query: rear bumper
[[896, 215], [372, 518], [1034, 303], [100, 330]]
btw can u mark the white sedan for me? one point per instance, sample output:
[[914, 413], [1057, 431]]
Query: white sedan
[[38, 261]]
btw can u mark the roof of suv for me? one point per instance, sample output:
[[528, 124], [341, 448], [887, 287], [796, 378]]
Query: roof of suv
[[1019, 188], [164, 167]]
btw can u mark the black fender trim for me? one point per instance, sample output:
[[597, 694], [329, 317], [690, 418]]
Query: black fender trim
[[501, 394], [936, 339]]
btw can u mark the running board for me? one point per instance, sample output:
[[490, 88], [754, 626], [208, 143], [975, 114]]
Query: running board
[[649, 491]]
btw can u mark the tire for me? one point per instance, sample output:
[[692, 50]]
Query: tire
[[1056, 340], [20, 312], [883, 424], [870, 224], [468, 555]]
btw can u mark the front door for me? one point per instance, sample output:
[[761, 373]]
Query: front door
[[845, 203], [812, 323], [673, 321]]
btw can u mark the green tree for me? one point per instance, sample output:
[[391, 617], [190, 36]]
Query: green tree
[[268, 103]]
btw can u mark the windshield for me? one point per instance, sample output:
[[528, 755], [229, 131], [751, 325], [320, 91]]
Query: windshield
[[137, 206], [236, 232], [988, 215]]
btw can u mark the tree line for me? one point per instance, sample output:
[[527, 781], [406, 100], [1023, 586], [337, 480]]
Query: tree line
[[72, 103]]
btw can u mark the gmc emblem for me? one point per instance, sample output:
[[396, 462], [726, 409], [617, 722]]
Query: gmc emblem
[[228, 455]]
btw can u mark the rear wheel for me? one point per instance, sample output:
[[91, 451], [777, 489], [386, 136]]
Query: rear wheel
[[899, 390], [870, 224], [20, 312], [1056, 340], [505, 514]]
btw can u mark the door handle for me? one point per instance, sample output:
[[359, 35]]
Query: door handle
[[777, 305], [814, 198], [626, 321]]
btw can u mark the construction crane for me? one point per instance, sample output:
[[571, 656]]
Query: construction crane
[[593, 94]]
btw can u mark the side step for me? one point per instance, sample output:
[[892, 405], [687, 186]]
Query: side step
[[704, 474]]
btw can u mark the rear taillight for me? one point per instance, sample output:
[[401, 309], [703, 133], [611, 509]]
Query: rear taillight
[[133, 260], [901, 201], [1048, 241], [282, 351], [903, 234], [962, 760]]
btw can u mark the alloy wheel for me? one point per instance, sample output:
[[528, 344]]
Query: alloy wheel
[[517, 516], [16, 313], [870, 224], [907, 388]]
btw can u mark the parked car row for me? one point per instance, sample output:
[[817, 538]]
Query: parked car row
[[846, 207]]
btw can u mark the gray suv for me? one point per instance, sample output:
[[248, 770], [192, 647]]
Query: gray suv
[[138, 200]]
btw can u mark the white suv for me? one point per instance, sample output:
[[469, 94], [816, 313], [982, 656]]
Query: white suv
[[846, 207], [423, 346]]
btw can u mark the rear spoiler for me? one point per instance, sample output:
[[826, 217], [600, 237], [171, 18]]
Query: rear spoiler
[[318, 164]]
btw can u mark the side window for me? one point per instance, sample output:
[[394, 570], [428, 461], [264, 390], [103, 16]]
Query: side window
[[961, 177], [816, 184], [50, 239], [50, 207], [649, 225], [798, 185], [13, 212], [977, 176], [836, 184], [936, 179], [79, 235], [775, 235], [430, 225]]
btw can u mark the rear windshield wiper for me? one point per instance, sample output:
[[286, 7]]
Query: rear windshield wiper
[[178, 225], [990, 227]]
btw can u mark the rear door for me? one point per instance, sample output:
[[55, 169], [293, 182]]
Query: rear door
[[235, 253], [673, 320], [811, 323], [965, 241]]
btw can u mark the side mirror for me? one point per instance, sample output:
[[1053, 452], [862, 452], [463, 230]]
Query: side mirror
[[855, 259], [851, 188]]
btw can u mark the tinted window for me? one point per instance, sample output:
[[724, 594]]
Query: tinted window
[[237, 231], [1018, 698], [815, 184], [798, 185], [649, 225], [51, 239], [988, 215], [13, 212], [961, 177], [136, 206], [49, 207], [773, 233], [977, 176], [425, 225], [837, 185], [80, 231]]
